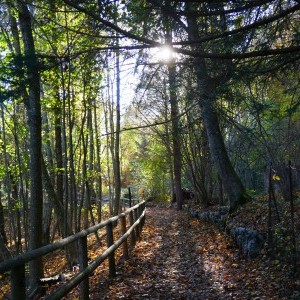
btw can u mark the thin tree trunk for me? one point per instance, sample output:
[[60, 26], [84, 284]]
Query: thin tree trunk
[[16, 48], [59, 165], [3, 248], [109, 127], [116, 162], [175, 135], [177, 159], [34, 119], [73, 203], [24, 200], [85, 185], [74, 200], [10, 204], [90, 182], [48, 203], [2, 220], [59, 212], [169, 150], [110, 191], [98, 167], [15, 198], [64, 159]]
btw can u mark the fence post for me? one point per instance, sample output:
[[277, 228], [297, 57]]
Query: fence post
[[129, 196], [132, 235], [143, 219], [123, 230], [137, 228], [18, 283], [83, 263], [141, 223], [111, 257]]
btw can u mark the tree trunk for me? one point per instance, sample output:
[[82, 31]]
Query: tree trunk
[[10, 204], [59, 166], [15, 198], [16, 49], [167, 140], [65, 161], [175, 135], [48, 203], [34, 119], [177, 159], [23, 199], [207, 102], [2, 221], [98, 167], [116, 162], [85, 184], [3, 249], [109, 142], [232, 183], [73, 199]]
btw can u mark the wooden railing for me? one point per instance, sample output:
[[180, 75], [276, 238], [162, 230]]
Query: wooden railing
[[16, 265]]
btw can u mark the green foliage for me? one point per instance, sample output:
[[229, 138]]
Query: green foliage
[[2, 172], [259, 113], [150, 167], [12, 77]]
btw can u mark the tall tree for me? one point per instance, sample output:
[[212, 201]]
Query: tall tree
[[116, 161], [177, 157], [34, 120], [207, 86]]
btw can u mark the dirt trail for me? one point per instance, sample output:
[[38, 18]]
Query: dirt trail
[[182, 258]]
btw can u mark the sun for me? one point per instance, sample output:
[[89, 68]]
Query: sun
[[165, 54]]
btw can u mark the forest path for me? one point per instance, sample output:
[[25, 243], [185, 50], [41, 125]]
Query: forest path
[[182, 258]]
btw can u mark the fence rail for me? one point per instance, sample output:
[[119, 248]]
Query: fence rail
[[16, 265]]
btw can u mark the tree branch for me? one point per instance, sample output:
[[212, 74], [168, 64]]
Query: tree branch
[[111, 25], [228, 55], [221, 12], [254, 25], [154, 124], [151, 44]]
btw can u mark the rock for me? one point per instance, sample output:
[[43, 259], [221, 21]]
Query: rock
[[248, 240], [217, 217]]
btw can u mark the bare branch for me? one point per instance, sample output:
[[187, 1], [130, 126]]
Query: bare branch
[[153, 124]]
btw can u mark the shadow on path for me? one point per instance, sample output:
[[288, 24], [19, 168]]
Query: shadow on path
[[181, 258]]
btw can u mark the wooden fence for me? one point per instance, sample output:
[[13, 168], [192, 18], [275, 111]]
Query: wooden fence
[[16, 265]]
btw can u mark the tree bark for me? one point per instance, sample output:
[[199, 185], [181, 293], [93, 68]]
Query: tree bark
[[34, 119], [10, 204], [116, 162], [3, 249], [235, 190], [177, 158], [207, 102], [59, 166], [98, 166], [2, 222], [59, 212], [16, 49], [175, 135], [167, 140], [48, 203]]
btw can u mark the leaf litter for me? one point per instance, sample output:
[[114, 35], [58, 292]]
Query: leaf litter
[[183, 258], [179, 257]]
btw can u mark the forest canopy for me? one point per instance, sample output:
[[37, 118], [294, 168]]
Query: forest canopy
[[90, 107]]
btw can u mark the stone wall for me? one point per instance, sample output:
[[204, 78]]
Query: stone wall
[[249, 241]]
